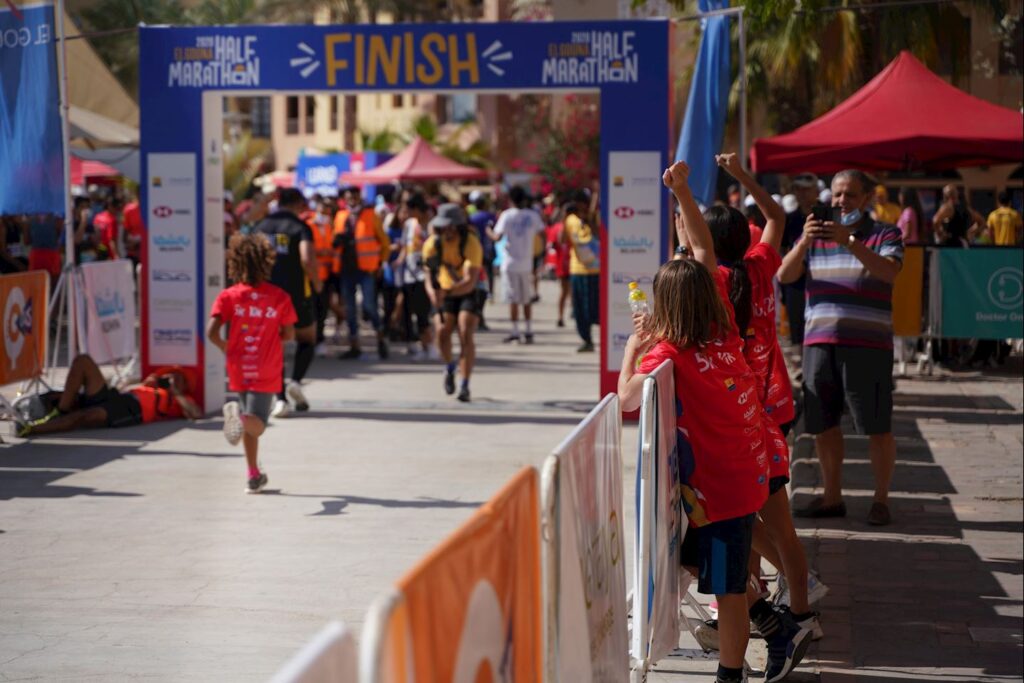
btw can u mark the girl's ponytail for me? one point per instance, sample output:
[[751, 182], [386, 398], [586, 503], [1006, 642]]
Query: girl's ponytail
[[740, 296]]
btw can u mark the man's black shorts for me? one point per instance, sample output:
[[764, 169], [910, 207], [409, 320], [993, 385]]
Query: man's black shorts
[[860, 377], [123, 410], [305, 309], [471, 303], [720, 551]]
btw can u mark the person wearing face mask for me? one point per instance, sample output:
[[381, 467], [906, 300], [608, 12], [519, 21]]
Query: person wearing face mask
[[850, 266]]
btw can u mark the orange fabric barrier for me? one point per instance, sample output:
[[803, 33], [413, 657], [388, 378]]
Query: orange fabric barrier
[[471, 611], [907, 294], [24, 297]]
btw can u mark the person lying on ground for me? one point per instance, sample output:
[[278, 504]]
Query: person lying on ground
[[88, 403]]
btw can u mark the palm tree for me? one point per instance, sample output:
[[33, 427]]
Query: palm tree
[[477, 153]]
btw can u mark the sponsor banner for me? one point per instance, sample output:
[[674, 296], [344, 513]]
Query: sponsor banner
[[658, 577], [30, 128], [471, 611], [389, 57], [106, 295], [635, 235], [24, 297], [173, 253], [907, 294], [330, 656], [591, 639], [982, 293]]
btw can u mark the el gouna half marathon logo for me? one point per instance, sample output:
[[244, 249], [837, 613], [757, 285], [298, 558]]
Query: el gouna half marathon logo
[[215, 62]]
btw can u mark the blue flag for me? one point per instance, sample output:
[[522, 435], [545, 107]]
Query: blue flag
[[31, 156], [708, 105]]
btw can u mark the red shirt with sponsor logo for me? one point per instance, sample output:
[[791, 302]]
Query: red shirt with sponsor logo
[[760, 339], [255, 316], [724, 444]]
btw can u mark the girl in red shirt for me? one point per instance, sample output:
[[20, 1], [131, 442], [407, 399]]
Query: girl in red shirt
[[259, 317]]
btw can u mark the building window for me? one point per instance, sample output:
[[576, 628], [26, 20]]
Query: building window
[[291, 116], [260, 116], [396, 101], [414, 100], [1011, 49], [310, 114], [462, 107], [334, 112]]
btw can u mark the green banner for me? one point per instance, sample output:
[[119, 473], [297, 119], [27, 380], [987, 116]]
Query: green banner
[[982, 293]]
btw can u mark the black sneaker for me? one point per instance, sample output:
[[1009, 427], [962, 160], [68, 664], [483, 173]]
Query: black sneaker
[[351, 354], [528, 338], [585, 347], [463, 394], [256, 484], [510, 338], [786, 645], [449, 383], [382, 349], [560, 323]]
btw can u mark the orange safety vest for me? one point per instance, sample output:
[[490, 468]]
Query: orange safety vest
[[367, 241], [322, 236]]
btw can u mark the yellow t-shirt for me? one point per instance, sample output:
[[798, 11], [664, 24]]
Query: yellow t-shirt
[[887, 212], [1004, 223], [453, 264], [582, 241]]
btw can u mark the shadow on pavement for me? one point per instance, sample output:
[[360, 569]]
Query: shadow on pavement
[[335, 505], [925, 598]]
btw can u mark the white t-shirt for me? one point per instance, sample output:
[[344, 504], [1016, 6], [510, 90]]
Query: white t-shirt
[[413, 237], [520, 227]]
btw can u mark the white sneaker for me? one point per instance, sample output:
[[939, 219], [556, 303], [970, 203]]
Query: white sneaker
[[813, 625], [281, 409], [293, 391], [320, 350], [232, 423], [816, 590], [433, 353]]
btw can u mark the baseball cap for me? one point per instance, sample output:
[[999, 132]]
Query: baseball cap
[[448, 215], [475, 196], [806, 180]]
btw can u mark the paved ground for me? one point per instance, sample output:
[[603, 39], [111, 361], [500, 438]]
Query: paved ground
[[133, 554]]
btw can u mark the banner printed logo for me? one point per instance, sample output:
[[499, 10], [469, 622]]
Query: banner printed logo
[[215, 61], [1006, 288], [17, 324]]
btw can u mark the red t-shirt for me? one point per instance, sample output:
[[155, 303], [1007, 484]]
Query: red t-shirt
[[156, 403], [760, 339], [255, 316], [106, 230], [723, 429]]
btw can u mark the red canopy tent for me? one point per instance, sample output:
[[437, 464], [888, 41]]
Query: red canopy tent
[[418, 161], [906, 118], [82, 169]]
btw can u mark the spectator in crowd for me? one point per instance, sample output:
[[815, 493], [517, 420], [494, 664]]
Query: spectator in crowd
[[392, 277], [414, 290], [328, 300], [884, 211], [560, 249], [11, 247], [584, 269], [453, 257], [107, 229], [519, 225], [848, 341], [955, 222], [294, 271], [911, 220], [805, 191], [1003, 226], [483, 219], [134, 230], [362, 247], [44, 242]]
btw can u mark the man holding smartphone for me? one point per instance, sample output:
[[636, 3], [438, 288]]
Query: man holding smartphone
[[851, 263]]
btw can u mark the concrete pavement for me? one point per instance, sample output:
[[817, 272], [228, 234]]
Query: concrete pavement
[[134, 554]]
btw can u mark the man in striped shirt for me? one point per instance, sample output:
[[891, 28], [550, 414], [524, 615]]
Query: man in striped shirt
[[851, 265]]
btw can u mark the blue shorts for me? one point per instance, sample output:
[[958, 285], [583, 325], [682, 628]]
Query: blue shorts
[[721, 552]]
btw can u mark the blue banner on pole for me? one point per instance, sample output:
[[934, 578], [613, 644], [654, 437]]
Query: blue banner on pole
[[708, 105], [31, 161]]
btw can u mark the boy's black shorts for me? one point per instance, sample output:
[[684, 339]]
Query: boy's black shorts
[[721, 552]]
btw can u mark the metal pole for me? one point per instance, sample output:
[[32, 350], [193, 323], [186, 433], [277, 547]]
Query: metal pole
[[744, 152], [69, 219]]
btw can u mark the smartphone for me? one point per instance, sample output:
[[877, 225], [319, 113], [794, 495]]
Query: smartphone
[[821, 212]]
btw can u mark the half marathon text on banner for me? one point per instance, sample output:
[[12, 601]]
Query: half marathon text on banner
[[31, 163]]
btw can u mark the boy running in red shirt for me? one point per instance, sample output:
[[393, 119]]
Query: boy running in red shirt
[[259, 317]]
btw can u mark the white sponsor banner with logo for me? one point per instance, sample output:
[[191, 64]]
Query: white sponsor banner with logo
[[659, 523], [171, 294], [635, 230], [106, 325], [586, 570]]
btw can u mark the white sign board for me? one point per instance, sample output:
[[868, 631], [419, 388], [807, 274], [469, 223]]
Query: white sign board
[[635, 232], [106, 323], [172, 253]]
